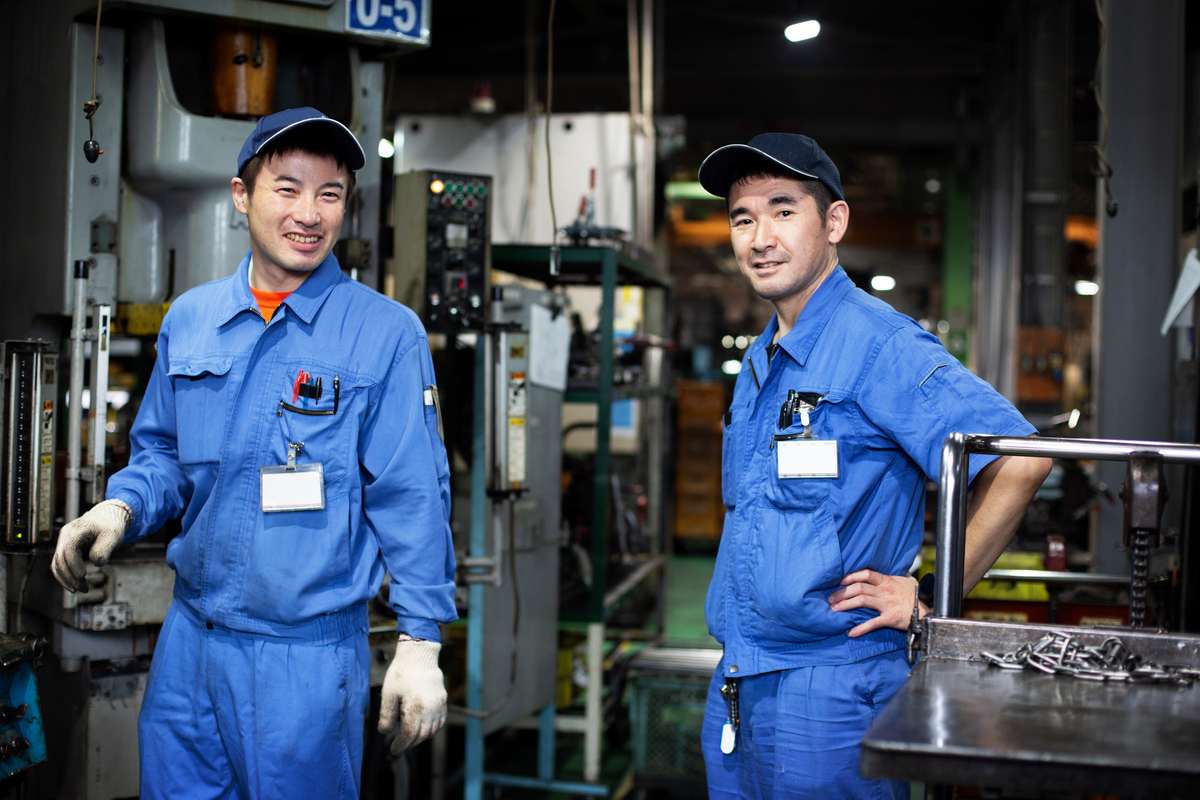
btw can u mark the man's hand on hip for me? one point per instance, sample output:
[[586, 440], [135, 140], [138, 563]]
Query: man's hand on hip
[[413, 704], [893, 596], [91, 538]]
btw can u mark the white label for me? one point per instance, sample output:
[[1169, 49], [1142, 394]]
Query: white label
[[728, 738], [299, 489], [807, 458]]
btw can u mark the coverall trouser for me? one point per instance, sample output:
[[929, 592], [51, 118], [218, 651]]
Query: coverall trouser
[[800, 732], [235, 715]]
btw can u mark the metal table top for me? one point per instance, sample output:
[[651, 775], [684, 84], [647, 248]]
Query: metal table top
[[964, 722]]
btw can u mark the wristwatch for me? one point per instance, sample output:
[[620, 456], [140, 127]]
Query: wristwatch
[[925, 589]]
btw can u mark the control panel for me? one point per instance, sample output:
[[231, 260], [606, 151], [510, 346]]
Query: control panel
[[442, 252], [30, 381]]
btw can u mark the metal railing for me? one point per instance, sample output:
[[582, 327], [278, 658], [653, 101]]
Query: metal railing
[[952, 490]]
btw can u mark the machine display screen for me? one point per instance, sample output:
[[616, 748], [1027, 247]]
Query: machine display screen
[[456, 235]]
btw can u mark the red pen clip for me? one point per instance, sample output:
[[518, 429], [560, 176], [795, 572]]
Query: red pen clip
[[301, 377]]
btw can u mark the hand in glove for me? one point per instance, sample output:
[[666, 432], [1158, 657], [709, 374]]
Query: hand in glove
[[413, 704], [92, 538]]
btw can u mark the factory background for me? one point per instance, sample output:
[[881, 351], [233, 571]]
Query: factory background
[[1023, 179]]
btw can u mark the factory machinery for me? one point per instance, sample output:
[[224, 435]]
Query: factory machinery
[[132, 114], [1039, 708]]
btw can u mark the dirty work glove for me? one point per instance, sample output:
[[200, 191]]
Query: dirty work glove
[[413, 704], [92, 538]]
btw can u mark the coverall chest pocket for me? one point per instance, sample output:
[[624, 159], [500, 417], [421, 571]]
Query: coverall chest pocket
[[317, 406], [729, 470], [201, 389], [807, 493]]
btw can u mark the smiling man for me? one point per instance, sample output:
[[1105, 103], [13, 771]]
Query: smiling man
[[838, 418], [289, 421]]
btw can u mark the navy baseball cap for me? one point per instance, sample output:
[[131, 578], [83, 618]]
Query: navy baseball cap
[[275, 125], [791, 152]]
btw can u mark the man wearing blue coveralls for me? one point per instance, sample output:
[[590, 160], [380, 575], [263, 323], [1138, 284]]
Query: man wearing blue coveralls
[[838, 417], [290, 420]]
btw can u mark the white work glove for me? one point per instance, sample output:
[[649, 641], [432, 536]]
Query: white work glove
[[412, 706], [92, 538]]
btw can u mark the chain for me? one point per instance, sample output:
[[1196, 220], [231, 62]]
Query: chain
[[1060, 654]]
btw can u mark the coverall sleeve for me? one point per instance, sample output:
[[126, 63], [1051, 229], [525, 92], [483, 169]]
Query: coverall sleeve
[[154, 484], [918, 394], [406, 493]]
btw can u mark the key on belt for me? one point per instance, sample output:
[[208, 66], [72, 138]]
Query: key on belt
[[729, 691]]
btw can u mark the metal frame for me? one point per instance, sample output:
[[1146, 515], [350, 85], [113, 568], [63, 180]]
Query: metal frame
[[952, 491], [608, 267]]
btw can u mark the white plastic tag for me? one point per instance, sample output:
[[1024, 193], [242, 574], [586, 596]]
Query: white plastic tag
[[728, 738], [806, 458], [298, 488]]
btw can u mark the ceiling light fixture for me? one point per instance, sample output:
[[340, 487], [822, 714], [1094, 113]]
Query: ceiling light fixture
[[883, 283], [802, 31]]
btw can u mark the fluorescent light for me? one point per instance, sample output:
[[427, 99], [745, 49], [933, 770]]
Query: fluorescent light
[[731, 367], [1087, 288], [883, 283], [802, 31], [386, 148]]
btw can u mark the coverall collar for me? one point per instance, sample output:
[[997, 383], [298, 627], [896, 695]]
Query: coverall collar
[[304, 302], [800, 340]]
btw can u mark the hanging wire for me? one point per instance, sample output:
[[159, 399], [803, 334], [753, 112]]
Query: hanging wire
[[91, 148], [1104, 170], [549, 102]]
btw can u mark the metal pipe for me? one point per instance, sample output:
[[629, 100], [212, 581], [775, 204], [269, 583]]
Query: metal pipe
[[98, 413], [592, 701], [1056, 577], [75, 392], [951, 514], [952, 491], [1101, 449]]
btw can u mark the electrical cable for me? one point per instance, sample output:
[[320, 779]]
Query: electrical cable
[[549, 102], [1104, 170], [91, 148], [21, 592]]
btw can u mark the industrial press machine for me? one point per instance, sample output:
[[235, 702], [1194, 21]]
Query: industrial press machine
[[131, 116]]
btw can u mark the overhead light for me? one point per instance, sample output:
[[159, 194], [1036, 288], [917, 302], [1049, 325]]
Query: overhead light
[[741, 343], [1087, 288], [731, 367], [883, 283], [727, 342], [386, 148], [1073, 420], [933, 186], [802, 31]]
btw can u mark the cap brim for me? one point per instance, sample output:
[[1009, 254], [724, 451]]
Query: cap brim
[[351, 149], [718, 170]]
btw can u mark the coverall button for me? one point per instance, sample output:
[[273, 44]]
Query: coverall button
[[733, 667], [208, 624]]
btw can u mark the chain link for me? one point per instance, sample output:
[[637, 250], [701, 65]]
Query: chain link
[[1112, 660]]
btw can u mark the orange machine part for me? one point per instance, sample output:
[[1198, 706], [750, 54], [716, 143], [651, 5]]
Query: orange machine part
[[244, 70]]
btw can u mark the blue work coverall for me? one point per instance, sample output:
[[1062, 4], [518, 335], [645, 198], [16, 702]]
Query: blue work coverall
[[888, 393], [259, 683]]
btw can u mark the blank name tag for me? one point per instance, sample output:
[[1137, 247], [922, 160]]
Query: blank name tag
[[300, 488], [806, 458]]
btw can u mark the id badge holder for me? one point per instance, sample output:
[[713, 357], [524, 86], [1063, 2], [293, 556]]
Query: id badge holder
[[806, 458], [292, 486], [801, 456]]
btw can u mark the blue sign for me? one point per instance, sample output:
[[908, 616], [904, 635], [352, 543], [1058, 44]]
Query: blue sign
[[395, 19]]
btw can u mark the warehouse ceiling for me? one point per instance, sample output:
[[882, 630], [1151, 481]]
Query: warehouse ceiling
[[917, 73]]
